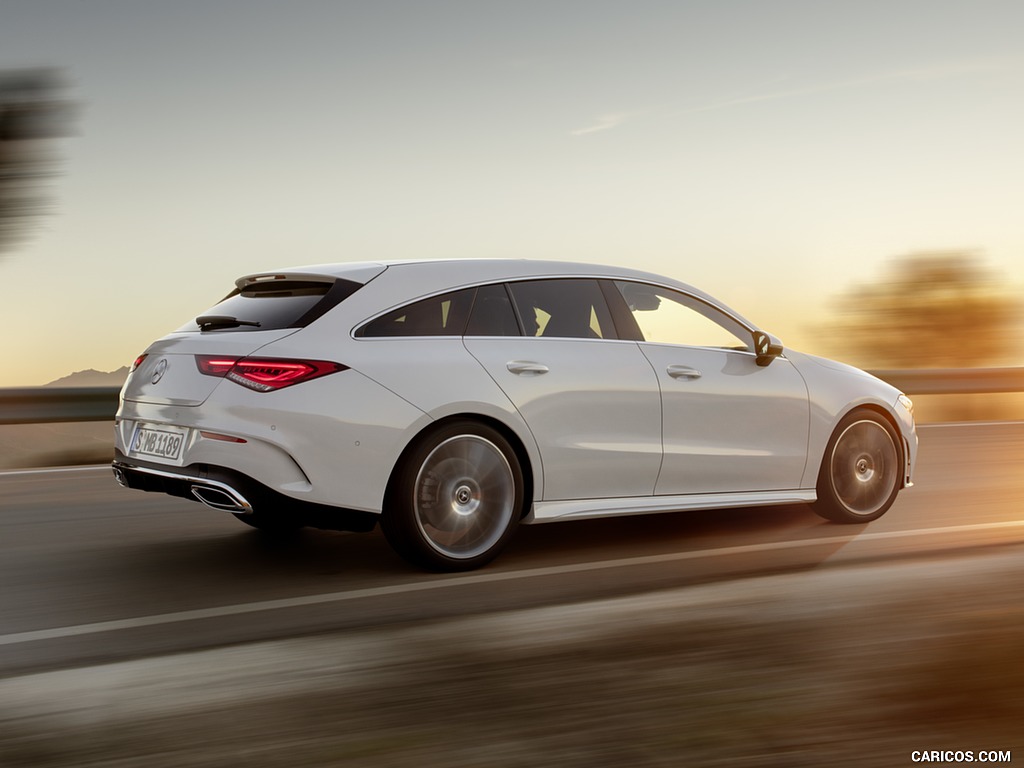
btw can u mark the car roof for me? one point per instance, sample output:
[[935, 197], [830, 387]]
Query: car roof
[[471, 270], [432, 275]]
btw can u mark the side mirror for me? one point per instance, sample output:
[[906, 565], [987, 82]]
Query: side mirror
[[766, 347]]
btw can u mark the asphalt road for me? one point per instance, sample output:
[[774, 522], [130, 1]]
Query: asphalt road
[[95, 573]]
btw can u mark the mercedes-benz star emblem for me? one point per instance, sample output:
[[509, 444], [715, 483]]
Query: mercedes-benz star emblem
[[161, 369]]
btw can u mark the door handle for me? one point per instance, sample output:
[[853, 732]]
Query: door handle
[[526, 368], [683, 372]]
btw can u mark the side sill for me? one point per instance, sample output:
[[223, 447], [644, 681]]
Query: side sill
[[581, 509]]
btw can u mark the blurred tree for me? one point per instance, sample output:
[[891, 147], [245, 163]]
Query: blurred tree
[[30, 115], [942, 309]]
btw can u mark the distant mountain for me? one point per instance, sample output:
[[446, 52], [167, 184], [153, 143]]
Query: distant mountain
[[92, 378], [52, 445]]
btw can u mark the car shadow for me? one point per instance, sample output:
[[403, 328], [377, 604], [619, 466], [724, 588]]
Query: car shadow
[[673, 531], [226, 558], [201, 563]]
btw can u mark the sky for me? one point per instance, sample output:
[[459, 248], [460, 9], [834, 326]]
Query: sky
[[771, 153]]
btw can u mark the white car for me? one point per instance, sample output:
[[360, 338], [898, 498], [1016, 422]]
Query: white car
[[453, 400]]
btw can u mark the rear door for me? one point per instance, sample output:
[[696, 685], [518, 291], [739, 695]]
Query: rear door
[[590, 400]]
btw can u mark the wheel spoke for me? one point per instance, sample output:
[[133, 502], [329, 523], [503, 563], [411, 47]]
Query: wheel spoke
[[464, 496], [864, 467]]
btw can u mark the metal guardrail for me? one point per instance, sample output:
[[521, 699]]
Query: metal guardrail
[[955, 381], [45, 405]]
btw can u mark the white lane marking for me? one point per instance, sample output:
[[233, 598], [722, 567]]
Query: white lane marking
[[477, 578], [945, 424], [92, 468]]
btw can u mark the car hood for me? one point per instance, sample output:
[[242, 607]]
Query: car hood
[[802, 360]]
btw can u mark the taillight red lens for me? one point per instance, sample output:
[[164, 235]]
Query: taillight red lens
[[137, 363], [264, 374], [215, 366]]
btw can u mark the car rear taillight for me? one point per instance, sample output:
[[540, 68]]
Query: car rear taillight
[[215, 366], [265, 374], [137, 363]]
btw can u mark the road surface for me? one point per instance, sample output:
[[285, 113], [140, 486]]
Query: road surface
[[94, 573]]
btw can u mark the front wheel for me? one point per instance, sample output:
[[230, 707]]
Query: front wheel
[[861, 470], [457, 498]]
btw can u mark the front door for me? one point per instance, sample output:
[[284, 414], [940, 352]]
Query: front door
[[728, 424]]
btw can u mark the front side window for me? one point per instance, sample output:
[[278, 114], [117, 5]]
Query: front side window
[[565, 308], [444, 315], [668, 317]]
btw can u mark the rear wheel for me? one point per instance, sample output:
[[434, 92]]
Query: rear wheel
[[457, 498], [861, 470]]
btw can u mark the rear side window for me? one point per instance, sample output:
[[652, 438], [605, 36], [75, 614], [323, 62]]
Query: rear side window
[[272, 305], [565, 308], [492, 314], [444, 315]]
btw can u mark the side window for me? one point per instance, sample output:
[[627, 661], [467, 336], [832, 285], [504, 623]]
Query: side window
[[444, 315], [668, 317], [492, 313], [566, 308]]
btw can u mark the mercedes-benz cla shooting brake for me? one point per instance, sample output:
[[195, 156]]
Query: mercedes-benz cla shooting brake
[[451, 401]]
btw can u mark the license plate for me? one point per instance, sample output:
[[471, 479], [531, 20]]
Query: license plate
[[162, 442]]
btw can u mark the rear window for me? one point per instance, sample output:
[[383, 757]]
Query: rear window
[[271, 305]]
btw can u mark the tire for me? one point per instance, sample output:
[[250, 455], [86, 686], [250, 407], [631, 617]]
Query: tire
[[861, 470], [456, 499]]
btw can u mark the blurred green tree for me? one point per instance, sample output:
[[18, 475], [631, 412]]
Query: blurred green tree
[[937, 309], [31, 113]]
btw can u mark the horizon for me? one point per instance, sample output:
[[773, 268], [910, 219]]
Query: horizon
[[120, 374]]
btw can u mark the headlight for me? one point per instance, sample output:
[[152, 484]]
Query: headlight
[[907, 403]]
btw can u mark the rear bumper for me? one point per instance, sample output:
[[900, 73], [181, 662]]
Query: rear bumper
[[232, 491], [332, 441], [212, 493]]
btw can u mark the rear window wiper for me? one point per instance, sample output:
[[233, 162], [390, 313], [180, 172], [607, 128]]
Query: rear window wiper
[[213, 322]]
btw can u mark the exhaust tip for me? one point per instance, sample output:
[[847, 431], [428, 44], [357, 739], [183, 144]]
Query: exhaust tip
[[224, 499], [120, 477]]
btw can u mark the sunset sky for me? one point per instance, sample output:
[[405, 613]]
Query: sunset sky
[[771, 153]]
